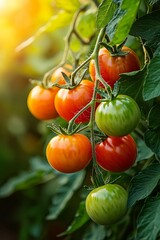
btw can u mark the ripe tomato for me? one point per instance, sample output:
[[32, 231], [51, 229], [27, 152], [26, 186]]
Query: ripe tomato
[[116, 154], [117, 117], [107, 204], [68, 102], [112, 66], [69, 153], [57, 76], [40, 102]]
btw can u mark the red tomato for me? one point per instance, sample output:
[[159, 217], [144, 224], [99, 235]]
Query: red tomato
[[40, 102], [112, 66], [69, 153], [116, 154], [68, 102]]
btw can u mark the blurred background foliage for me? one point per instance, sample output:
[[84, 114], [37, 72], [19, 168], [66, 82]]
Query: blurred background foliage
[[31, 43]]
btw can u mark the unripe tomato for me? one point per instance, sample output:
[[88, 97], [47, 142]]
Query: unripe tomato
[[57, 76], [112, 66], [68, 102], [69, 153], [116, 154], [117, 117], [40, 102], [107, 204]]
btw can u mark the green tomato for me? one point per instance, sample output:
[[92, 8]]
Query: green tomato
[[118, 117], [107, 204]]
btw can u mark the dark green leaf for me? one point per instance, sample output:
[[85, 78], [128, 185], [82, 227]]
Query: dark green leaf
[[152, 1], [119, 26], [81, 217], [105, 13], [143, 183], [148, 28], [29, 178], [132, 84], [154, 117], [95, 231], [143, 152], [37, 164], [68, 185], [152, 139], [152, 81], [149, 219]]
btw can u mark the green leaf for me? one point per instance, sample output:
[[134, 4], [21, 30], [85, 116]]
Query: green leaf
[[120, 25], [143, 152], [152, 139], [86, 30], [68, 185], [152, 81], [95, 231], [132, 84], [81, 217], [143, 183], [148, 28], [154, 117], [105, 13], [148, 221], [28, 179]]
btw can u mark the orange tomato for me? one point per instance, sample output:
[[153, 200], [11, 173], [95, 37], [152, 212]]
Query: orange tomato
[[40, 102], [69, 102], [57, 76], [69, 153]]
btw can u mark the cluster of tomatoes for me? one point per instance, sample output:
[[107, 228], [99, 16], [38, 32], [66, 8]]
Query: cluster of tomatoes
[[116, 118]]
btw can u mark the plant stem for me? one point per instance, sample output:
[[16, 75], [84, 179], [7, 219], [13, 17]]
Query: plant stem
[[95, 57], [67, 40], [93, 106], [79, 67], [71, 122]]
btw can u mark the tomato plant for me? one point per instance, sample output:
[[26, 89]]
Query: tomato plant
[[40, 102], [69, 102], [107, 204], [119, 130], [116, 154], [112, 65], [118, 117], [69, 154]]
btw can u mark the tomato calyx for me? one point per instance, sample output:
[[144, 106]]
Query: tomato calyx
[[66, 131], [116, 50], [108, 96]]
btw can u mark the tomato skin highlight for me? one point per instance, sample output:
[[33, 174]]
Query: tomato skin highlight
[[68, 102], [40, 102], [69, 153], [107, 204], [118, 117], [112, 66], [116, 154]]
